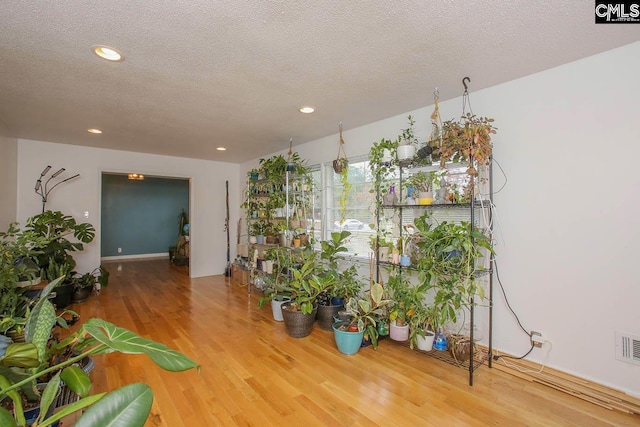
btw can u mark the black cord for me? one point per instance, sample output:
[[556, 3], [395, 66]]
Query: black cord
[[514, 357], [495, 264]]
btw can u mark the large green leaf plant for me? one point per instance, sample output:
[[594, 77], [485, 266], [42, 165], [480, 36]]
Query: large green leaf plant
[[23, 364]]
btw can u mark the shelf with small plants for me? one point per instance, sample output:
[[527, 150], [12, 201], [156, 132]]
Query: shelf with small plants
[[441, 215], [276, 203]]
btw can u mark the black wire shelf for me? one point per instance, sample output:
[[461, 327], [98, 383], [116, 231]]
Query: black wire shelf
[[480, 356]]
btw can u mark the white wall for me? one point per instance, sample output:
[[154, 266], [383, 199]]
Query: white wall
[[207, 188], [8, 178], [567, 232]]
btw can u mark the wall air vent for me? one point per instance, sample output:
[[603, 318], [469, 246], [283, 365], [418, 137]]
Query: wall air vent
[[628, 348]]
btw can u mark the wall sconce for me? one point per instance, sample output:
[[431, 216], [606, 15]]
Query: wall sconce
[[42, 190], [135, 176]]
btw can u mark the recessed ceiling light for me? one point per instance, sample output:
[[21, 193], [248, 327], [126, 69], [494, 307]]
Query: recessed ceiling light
[[92, 130], [108, 53], [307, 110], [221, 148]]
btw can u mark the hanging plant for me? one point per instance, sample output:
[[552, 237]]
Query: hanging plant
[[467, 139], [341, 167], [341, 163]]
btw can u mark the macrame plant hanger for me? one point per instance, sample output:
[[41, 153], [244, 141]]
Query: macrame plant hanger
[[291, 166], [340, 163], [432, 147]]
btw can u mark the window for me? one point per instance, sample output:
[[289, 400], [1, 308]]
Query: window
[[360, 217]]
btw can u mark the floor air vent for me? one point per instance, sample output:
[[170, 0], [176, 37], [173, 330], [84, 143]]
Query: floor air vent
[[628, 348]]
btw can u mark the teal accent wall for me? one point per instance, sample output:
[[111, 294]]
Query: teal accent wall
[[141, 217]]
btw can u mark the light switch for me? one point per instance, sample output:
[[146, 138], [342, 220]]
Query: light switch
[[86, 214]]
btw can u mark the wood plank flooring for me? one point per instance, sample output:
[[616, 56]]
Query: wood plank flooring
[[254, 374]]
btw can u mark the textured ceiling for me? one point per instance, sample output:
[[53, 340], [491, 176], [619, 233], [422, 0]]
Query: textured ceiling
[[199, 74]]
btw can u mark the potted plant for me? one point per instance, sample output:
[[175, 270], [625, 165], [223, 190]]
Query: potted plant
[[407, 301], [258, 228], [304, 287], [465, 140], [383, 153], [55, 258], [421, 328], [450, 263], [275, 290], [382, 245], [345, 282], [18, 271], [365, 312], [273, 167], [422, 181], [84, 284], [341, 163], [401, 309], [24, 363], [407, 142]]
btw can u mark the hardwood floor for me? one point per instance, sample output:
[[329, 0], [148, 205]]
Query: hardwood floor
[[254, 374]]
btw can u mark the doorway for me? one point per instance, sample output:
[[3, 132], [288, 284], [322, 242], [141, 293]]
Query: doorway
[[141, 218]]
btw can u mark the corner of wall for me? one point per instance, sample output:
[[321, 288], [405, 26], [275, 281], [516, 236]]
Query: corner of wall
[[9, 179]]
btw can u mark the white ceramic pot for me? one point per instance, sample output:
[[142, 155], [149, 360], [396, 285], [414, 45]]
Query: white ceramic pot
[[425, 343], [398, 333], [276, 307], [406, 152], [386, 156], [268, 266], [253, 240]]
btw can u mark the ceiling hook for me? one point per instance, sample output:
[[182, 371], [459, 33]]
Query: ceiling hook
[[464, 83]]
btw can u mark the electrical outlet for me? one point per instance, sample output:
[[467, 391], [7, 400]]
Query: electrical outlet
[[119, 250], [536, 339]]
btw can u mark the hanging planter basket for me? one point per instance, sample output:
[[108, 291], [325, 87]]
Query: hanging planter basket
[[341, 163]]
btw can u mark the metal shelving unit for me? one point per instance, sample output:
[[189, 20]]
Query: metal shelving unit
[[476, 206]]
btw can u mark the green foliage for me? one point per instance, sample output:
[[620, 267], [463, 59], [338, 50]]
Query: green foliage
[[128, 406], [382, 172], [366, 312], [408, 137], [421, 180], [96, 336], [346, 189], [88, 280], [274, 167], [54, 257], [449, 262], [17, 249], [346, 281], [470, 136], [306, 284], [406, 297]]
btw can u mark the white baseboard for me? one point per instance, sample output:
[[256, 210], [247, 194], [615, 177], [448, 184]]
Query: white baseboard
[[139, 256]]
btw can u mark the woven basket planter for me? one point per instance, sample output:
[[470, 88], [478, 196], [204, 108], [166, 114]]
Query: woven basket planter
[[326, 314], [460, 347], [298, 324]]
